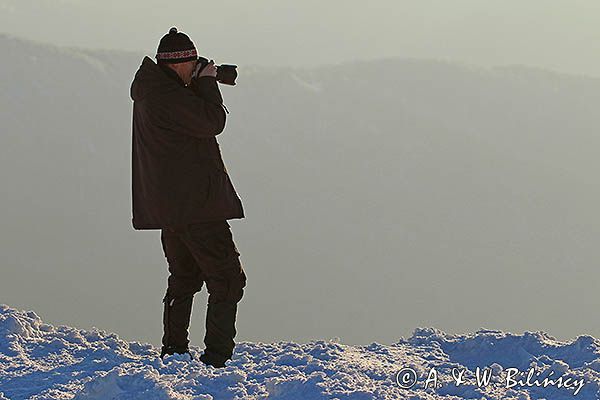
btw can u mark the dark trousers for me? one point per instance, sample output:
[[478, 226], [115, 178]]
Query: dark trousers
[[199, 253]]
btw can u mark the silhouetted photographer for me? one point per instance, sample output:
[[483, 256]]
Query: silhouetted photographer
[[180, 185]]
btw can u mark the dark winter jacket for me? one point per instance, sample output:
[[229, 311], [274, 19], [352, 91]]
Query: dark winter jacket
[[178, 175]]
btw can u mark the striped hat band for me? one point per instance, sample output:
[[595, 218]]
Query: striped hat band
[[172, 55]]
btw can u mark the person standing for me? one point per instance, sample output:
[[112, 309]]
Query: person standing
[[181, 186]]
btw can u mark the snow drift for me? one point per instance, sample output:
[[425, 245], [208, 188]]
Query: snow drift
[[41, 361]]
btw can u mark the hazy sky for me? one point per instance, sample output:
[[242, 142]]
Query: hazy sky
[[563, 35]]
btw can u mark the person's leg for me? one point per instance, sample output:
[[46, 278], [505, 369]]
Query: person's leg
[[217, 256], [184, 281]]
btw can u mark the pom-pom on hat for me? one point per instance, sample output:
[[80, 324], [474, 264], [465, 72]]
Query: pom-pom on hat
[[176, 47]]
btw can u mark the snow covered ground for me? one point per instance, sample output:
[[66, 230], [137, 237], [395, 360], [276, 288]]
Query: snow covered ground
[[41, 361]]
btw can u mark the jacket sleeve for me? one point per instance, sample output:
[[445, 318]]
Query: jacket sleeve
[[197, 115], [207, 88]]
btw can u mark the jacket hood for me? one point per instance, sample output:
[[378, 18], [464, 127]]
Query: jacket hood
[[150, 78]]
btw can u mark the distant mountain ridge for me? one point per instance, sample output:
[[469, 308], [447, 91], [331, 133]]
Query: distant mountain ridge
[[398, 182]]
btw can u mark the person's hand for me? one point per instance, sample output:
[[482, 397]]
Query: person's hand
[[209, 70]]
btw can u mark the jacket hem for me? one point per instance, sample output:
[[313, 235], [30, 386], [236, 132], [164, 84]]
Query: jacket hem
[[155, 226]]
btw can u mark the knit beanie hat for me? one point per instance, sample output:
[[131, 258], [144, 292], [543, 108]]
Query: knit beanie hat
[[176, 47]]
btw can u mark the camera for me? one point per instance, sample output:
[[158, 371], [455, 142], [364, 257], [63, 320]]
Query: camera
[[226, 73]]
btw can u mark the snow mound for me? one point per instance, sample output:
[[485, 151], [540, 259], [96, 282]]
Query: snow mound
[[40, 361]]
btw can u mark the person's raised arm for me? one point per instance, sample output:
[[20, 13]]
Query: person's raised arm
[[204, 82], [195, 115]]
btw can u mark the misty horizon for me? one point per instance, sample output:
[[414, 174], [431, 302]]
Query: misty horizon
[[470, 176], [538, 33]]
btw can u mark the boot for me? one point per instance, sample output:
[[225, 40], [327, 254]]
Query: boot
[[172, 350], [205, 358], [220, 331], [176, 321]]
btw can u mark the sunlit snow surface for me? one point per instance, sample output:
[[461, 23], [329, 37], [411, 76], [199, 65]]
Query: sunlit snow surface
[[40, 361]]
